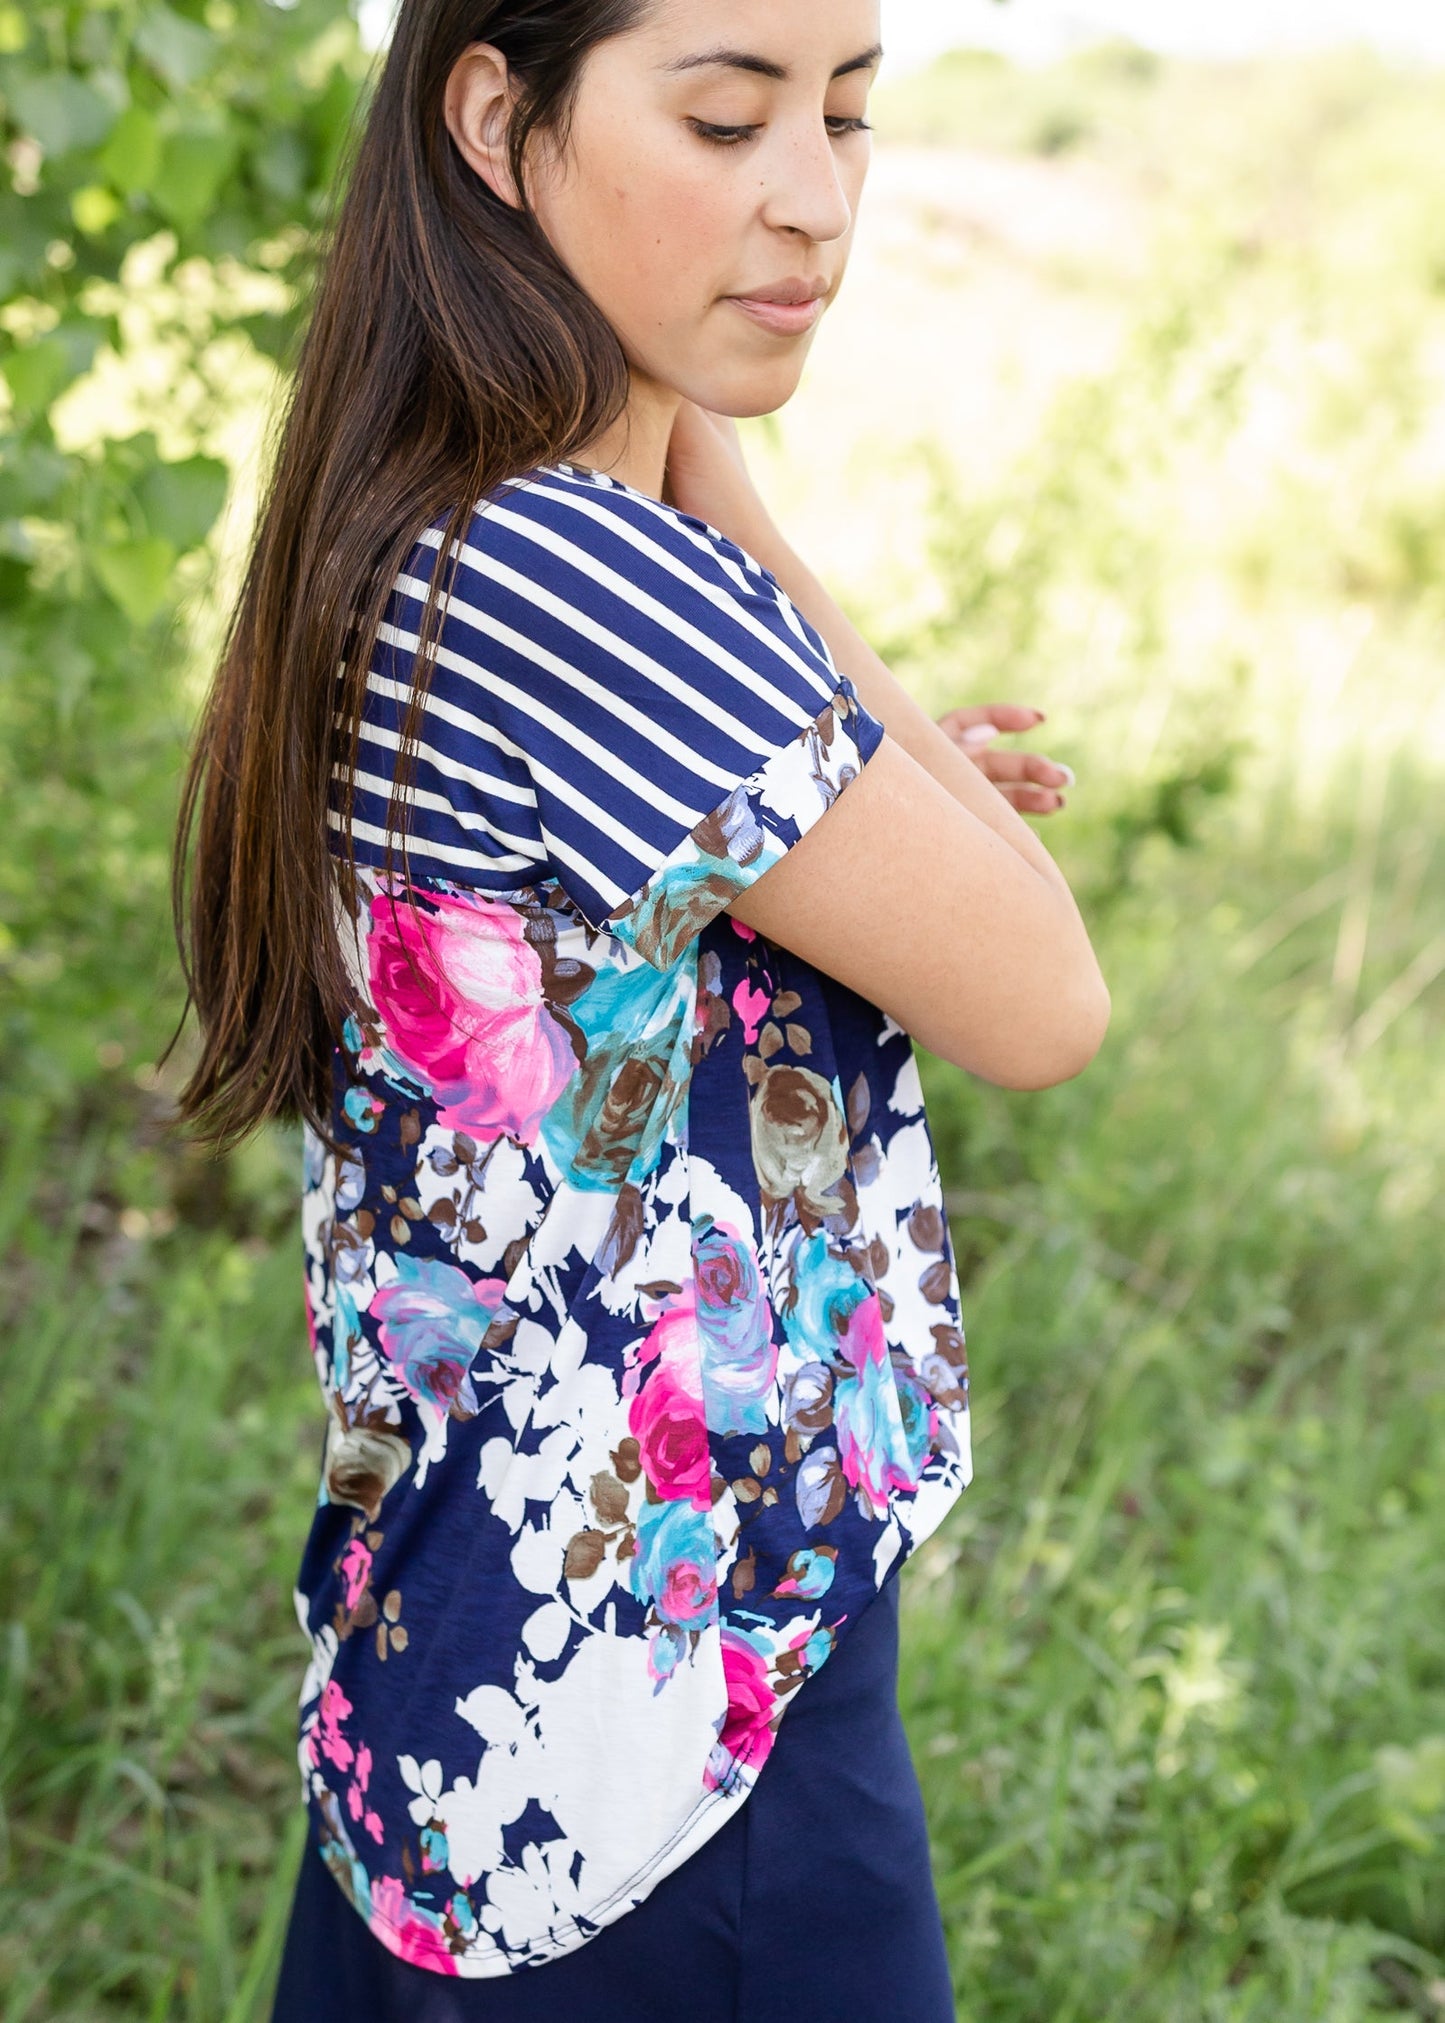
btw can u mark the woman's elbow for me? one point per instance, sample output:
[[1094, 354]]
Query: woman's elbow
[[1040, 1052], [1073, 1042]]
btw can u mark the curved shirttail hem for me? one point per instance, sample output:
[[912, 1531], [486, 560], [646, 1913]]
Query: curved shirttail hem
[[567, 1935]]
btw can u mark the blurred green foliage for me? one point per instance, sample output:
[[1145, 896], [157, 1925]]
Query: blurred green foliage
[[165, 168], [1175, 1669]]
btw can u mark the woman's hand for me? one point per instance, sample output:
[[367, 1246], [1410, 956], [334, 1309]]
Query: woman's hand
[[1027, 780], [707, 476]]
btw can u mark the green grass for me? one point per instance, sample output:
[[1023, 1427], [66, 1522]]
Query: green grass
[[1166, 1663], [1175, 1668]]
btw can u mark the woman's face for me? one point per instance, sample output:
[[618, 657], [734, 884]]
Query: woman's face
[[716, 155]]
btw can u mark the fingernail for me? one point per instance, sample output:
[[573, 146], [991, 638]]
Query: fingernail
[[1067, 771], [980, 734]]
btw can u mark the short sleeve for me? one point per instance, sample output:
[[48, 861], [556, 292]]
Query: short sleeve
[[632, 703]]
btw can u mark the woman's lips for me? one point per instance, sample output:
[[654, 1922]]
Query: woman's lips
[[784, 319]]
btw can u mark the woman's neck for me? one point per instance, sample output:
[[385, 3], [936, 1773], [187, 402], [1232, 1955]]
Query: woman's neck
[[634, 449]]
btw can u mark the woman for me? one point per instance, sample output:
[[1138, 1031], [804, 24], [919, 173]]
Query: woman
[[571, 867]]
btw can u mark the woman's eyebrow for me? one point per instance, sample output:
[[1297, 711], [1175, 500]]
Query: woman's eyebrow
[[763, 66]]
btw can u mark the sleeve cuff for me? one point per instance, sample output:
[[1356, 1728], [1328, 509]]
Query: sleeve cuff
[[749, 832]]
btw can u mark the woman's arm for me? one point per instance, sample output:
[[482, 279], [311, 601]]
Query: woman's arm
[[923, 890], [905, 720], [707, 475]]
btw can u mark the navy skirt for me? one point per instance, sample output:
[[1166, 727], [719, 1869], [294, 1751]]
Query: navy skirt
[[815, 1900]]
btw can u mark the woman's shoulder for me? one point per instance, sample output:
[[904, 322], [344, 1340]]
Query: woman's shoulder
[[585, 533]]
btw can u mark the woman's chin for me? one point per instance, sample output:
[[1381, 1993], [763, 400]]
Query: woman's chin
[[743, 390]]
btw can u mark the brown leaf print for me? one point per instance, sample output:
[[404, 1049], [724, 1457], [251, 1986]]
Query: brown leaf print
[[820, 1487], [950, 1344], [925, 1226], [609, 1498], [623, 1232], [746, 1490], [500, 1330], [936, 1282], [860, 1102], [564, 979], [610, 1143], [627, 1459], [770, 1041], [662, 924], [942, 1380], [843, 1215], [409, 1129], [786, 1003], [745, 1576], [585, 1553], [808, 1399], [800, 1143], [799, 1038], [713, 835], [362, 1464], [761, 1459]]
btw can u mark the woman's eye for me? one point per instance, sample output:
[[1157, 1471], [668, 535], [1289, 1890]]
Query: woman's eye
[[734, 136], [723, 136]]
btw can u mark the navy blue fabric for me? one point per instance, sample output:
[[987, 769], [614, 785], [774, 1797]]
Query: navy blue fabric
[[815, 1903], [607, 670]]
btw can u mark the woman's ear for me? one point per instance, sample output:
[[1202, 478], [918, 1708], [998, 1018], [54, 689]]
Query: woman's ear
[[480, 100]]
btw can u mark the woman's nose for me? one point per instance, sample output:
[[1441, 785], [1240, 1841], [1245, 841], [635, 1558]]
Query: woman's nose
[[805, 191]]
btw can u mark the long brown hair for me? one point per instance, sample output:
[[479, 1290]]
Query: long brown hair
[[448, 350]]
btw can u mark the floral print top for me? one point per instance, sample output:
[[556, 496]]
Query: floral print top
[[631, 1292]]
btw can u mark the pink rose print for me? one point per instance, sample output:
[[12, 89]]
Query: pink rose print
[[873, 1443], [751, 1006], [406, 1930], [460, 990], [355, 1570], [356, 1797], [327, 1739], [735, 1330], [747, 1730], [434, 1319], [666, 1415]]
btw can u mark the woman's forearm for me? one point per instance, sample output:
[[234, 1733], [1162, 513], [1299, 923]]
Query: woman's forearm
[[902, 717]]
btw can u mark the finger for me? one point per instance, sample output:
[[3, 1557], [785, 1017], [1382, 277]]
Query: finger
[[1030, 800], [1016, 767], [1007, 717]]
